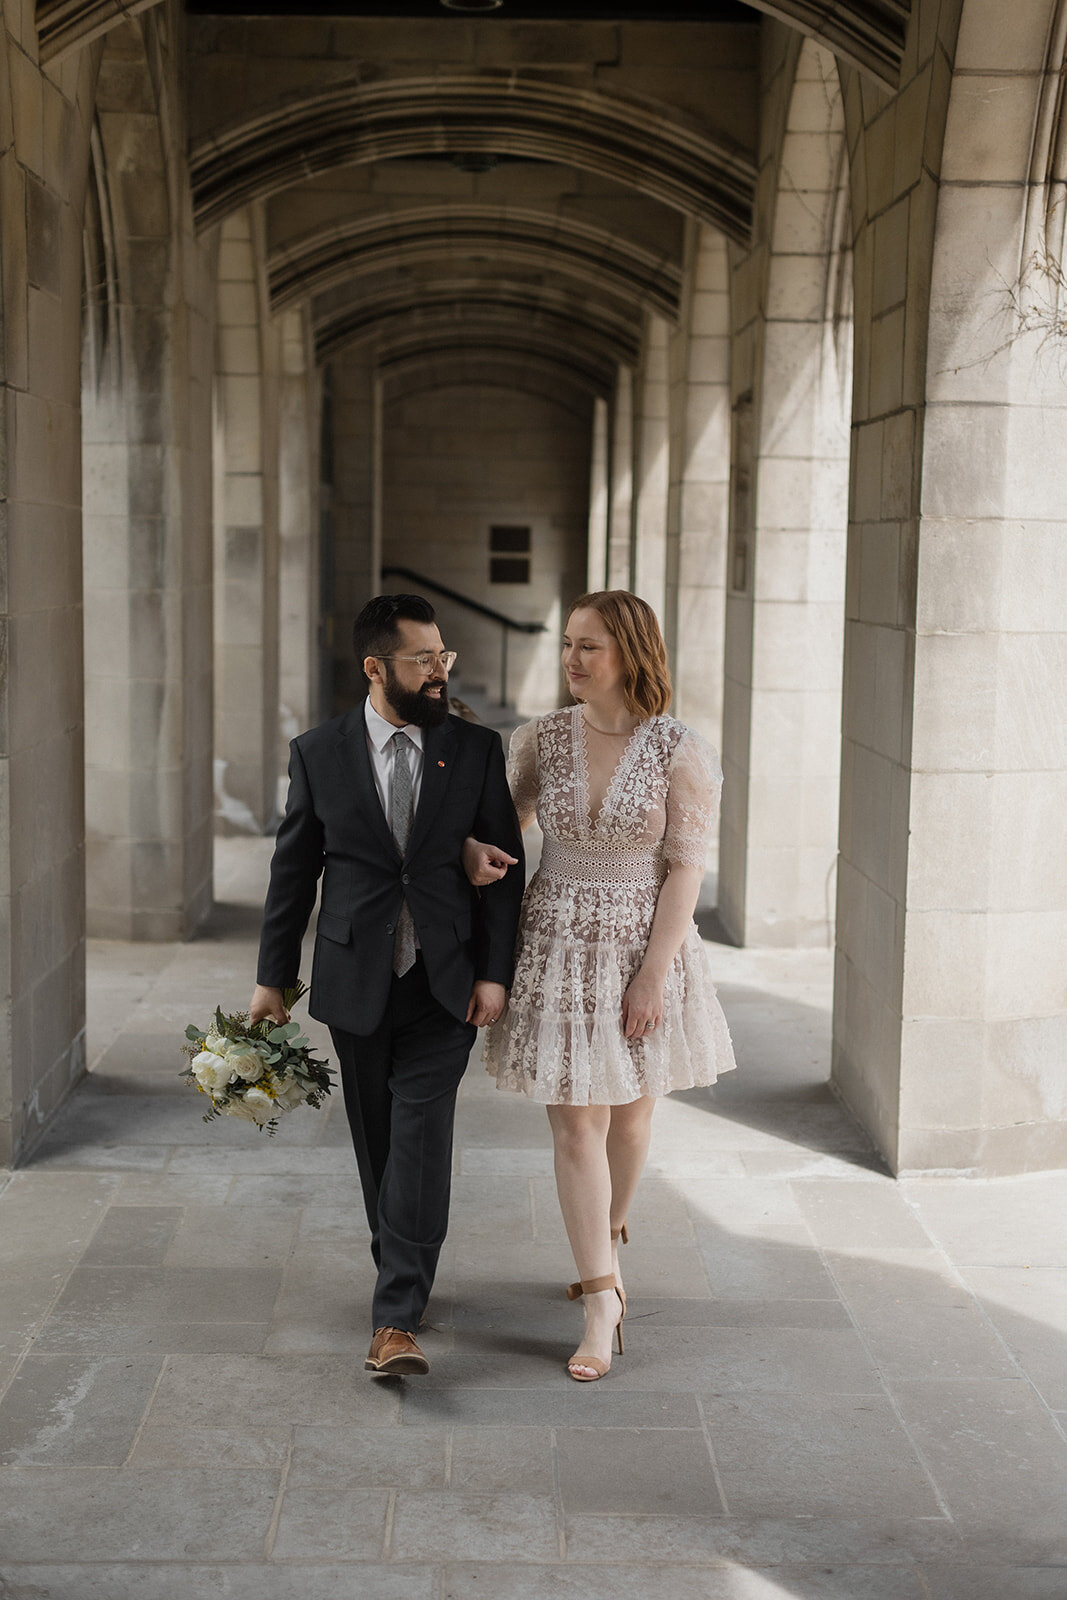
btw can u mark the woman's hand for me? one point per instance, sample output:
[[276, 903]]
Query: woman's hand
[[642, 1004], [485, 863]]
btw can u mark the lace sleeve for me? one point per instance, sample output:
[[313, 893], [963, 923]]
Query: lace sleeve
[[522, 770], [692, 801]]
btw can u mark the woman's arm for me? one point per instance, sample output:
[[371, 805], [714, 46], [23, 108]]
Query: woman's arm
[[642, 1004], [487, 863]]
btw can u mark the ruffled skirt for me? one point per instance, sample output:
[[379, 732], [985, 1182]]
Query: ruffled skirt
[[561, 1041]]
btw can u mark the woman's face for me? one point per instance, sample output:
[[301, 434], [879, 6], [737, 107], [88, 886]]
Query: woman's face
[[592, 659]]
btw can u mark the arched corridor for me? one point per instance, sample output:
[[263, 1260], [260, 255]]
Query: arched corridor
[[754, 308]]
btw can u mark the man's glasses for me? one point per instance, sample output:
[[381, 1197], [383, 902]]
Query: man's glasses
[[427, 659]]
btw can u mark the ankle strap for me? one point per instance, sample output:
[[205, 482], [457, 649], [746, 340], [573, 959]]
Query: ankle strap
[[598, 1285]]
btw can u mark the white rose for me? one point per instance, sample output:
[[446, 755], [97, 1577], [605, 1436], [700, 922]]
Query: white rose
[[260, 1104], [211, 1072], [217, 1043], [247, 1063], [291, 1094], [237, 1108]]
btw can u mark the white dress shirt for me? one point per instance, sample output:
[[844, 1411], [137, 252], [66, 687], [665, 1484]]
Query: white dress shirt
[[383, 755]]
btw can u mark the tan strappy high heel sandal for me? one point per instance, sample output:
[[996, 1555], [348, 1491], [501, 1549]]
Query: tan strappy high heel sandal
[[575, 1292]]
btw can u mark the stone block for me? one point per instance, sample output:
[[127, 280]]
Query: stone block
[[1031, 670], [951, 839], [996, 1457], [955, 702], [989, 128], [80, 1410], [820, 1455], [990, 40], [512, 1528], [97, 1516]]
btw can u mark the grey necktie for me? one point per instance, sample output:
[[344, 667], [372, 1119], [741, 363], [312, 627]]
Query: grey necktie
[[400, 813]]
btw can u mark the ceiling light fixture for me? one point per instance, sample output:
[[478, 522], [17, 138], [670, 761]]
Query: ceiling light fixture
[[472, 5]]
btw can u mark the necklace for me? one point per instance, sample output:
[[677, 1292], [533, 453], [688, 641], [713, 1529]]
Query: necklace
[[628, 735]]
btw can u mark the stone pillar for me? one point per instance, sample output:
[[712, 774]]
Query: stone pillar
[[298, 529], [246, 535], [785, 612], [42, 906], [620, 525], [355, 513], [652, 461], [949, 995], [147, 524], [599, 499], [697, 506]]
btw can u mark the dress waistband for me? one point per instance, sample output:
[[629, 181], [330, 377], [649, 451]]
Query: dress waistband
[[601, 861]]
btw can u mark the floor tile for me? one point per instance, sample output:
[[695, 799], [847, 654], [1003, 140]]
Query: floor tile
[[998, 1460], [637, 1472], [332, 1524], [69, 1514], [459, 1526], [816, 1456], [251, 1580], [75, 1410], [359, 1457]]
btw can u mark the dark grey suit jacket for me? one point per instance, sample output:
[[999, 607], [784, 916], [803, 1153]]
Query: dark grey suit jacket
[[334, 826]]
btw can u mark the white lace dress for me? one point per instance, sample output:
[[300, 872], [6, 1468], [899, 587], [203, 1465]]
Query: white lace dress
[[587, 915]]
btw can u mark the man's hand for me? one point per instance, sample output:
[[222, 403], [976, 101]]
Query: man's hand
[[267, 1003], [486, 1003], [485, 863]]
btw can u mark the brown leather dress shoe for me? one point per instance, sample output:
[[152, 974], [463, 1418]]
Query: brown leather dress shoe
[[394, 1353]]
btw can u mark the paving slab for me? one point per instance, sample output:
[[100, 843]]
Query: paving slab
[[188, 1580], [75, 1410]]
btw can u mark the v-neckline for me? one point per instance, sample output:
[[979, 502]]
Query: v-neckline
[[581, 747]]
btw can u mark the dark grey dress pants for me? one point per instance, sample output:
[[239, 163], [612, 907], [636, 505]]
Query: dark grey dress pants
[[400, 1086]]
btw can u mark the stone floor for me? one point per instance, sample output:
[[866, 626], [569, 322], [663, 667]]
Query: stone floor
[[835, 1387]]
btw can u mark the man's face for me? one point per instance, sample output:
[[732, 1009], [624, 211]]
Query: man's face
[[412, 694]]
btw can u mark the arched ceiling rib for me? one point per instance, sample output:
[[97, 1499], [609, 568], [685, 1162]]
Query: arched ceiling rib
[[513, 366], [491, 113], [506, 322], [64, 26], [594, 259], [869, 34]]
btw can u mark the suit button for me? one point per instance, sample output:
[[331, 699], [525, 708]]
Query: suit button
[[406, 878], [390, 929]]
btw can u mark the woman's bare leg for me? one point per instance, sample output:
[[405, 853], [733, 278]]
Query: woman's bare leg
[[629, 1132], [583, 1182]]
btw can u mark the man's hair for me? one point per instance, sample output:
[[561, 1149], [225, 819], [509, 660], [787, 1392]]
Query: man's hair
[[375, 631], [631, 621]]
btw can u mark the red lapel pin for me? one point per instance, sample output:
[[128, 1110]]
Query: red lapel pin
[[440, 763]]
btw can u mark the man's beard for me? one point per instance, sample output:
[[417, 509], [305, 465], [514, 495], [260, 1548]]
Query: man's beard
[[419, 709]]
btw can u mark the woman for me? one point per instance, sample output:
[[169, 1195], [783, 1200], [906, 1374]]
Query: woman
[[612, 1004]]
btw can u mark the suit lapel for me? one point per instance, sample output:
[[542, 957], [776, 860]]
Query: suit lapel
[[438, 760], [355, 763]]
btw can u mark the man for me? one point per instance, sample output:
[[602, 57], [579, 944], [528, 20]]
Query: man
[[409, 960]]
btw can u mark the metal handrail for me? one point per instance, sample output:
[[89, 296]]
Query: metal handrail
[[504, 623]]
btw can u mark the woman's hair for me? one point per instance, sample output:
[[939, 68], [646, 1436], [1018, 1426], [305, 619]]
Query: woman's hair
[[631, 621]]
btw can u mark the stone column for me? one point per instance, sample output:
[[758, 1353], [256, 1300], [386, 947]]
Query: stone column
[[949, 995], [697, 507], [652, 461], [785, 612], [355, 512], [599, 499], [298, 528], [246, 535], [147, 525], [42, 905], [620, 525]]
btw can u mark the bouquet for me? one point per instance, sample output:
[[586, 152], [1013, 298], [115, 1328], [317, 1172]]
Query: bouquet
[[255, 1070]]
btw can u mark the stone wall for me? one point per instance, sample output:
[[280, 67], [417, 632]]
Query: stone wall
[[458, 461]]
